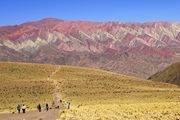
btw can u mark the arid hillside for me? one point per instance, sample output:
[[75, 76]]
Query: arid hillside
[[27, 84], [169, 75], [92, 93], [96, 94], [126, 63]]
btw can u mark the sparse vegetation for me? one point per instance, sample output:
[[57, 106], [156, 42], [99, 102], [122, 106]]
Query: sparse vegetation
[[169, 75], [96, 94], [23, 83], [93, 94]]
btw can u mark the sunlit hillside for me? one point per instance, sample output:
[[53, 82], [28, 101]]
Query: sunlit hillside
[[169, 75], [93, 94], [96, 94], [23, 83]]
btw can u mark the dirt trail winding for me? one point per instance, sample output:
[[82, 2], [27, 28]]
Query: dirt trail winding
[[57, 97], [52, 114]]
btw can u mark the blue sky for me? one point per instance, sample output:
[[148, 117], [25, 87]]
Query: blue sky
[[19, 11]]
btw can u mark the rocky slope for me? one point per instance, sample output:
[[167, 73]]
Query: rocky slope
[[114, 46]]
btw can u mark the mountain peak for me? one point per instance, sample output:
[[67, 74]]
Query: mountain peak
[[51, 19], [44, 22]]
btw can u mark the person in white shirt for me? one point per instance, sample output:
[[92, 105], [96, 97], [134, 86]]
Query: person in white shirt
[[24, 108]]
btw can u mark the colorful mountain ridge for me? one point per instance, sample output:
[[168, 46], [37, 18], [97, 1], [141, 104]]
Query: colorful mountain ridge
[[158, 38], [102, 45]]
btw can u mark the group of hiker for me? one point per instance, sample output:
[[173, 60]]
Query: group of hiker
[[39, 107], [23, 108], [68, 104]]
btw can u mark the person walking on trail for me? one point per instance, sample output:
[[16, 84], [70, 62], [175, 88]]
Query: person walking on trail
[[47, 107], [53, 103], [24, 108], [58, 107], [68, 103], [19, 108], [39, 107]]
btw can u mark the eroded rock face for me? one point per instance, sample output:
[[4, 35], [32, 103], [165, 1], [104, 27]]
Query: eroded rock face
[[158, 38], [53, 41]]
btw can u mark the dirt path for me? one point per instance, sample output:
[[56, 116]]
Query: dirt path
[[54, 72], [57, 94], [52, 114], [58, 97]]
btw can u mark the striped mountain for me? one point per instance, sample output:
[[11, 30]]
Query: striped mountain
[[51, 41]]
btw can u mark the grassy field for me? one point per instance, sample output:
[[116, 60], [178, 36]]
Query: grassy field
[[96, 94], [93, 94], [23, 83]]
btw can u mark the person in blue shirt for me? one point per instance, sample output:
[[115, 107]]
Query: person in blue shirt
[[68, 103], [47, 107], [19, 108]]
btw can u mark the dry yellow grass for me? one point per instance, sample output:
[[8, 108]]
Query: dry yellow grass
[[93, 94], [25, 71], [96, 94], [23, 83]]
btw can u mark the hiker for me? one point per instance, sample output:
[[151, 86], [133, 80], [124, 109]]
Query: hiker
[[53, 103], [19, 108], [39, 107], [47, 107], [24, 108], [68, 103]]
